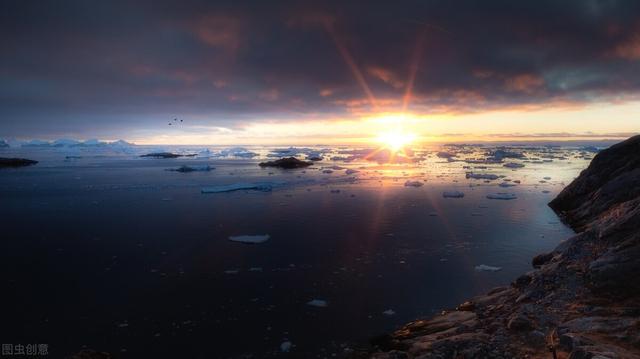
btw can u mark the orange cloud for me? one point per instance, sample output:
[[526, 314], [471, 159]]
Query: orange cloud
[[524, 83], [218, 31], [326, 92], [630, 49]]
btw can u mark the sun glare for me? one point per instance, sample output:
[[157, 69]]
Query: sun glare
[[396, 141], [392, 135]]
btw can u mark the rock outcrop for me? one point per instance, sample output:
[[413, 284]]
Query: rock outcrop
[[166, 155], [287, 163], [582, 300], [16, 162]]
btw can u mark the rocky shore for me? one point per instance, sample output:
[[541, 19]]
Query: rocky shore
[[580, 301]]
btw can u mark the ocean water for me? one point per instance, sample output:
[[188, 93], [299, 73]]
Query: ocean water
[[106, 250]]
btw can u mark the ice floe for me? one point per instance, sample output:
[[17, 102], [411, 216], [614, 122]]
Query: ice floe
[[318, 303], [413, 183], [285, 347], [452, 194], [389, 312], [486, 176], [486, 268], [502, 195], [260, 186], [513, 165], [250, 239]]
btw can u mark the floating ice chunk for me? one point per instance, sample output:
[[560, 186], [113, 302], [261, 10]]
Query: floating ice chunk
[[255, 269], [486, 176], [389, 312], [513, 165], [413, 184], [264, 187], [318, 303], [452, 194], [237, 152], [231, 271], [486, 268], [504, 196], [254, 239], [285, 346], [350, 171]]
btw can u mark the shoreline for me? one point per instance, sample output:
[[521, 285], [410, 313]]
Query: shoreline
[[580, 300]]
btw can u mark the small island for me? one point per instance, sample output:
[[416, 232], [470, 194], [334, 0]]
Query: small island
[[286, 163], [166, 155], [16, 162]]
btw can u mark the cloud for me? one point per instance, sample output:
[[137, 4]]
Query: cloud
[[218, 31], [527, 83], [83, 66]]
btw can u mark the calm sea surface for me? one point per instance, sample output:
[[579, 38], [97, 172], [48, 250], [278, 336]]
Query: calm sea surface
[[105, 250]]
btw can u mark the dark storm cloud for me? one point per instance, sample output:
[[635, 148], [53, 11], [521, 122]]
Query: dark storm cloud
[[89, 64]]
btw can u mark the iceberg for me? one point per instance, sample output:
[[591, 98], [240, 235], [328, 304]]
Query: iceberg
[[238, 152], [389, 312], [250, 239], [452, 194], [501, 195]]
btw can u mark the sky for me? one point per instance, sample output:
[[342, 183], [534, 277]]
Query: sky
[[251, 72]]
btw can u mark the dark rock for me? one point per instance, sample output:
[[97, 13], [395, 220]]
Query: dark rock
[[287, 163], [162, 155], [186, 169], [314, 158], [570, 341], [612, 177], [467, 306], [519, 322], [16, 162], [522, 281], [541, 259], [580, 353]]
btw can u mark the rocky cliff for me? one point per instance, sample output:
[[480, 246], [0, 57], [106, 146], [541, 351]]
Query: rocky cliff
[[582, 300]]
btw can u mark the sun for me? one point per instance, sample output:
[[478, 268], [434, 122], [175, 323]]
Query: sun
[[396, 140]]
